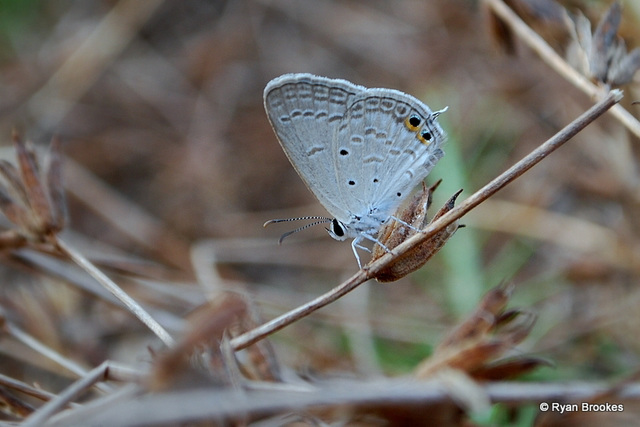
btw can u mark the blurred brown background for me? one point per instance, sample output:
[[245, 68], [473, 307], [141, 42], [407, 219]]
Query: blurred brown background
[[159, 106]]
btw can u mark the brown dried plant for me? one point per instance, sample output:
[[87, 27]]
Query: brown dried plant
[[204, 348], [32, 198], [602, 55], [475, 345], [412, 219]]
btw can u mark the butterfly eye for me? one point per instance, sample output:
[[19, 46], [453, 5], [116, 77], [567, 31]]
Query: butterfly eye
[[413, 122], [337, 228]]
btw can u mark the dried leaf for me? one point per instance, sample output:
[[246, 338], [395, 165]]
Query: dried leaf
[[578, 50], [604, 42], [602, 55], [484, 336], [36, 209], [13, 211], [623, 71], [36, 195], [467, 357], [208, 326], [14, 182], [205, 348], [483, 319]]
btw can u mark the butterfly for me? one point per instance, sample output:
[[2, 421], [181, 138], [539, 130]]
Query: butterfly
[[359, 150]]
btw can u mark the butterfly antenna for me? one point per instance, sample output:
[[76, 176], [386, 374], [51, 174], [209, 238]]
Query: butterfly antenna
[[319, 220], [301, 218], [437, 113]]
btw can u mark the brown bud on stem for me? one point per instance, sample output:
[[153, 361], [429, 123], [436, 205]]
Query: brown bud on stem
[[396, 231]]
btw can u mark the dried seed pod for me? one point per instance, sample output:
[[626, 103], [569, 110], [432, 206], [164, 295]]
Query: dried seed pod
[[395, 232], [31, 199], [602, 55], [476, 346]]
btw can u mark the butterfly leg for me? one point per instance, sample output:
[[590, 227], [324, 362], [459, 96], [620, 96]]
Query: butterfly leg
[[354, 246], [406, 224], [364, 248], [376, 241]]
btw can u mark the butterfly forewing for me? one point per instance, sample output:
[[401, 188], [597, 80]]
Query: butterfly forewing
[[304, 111]]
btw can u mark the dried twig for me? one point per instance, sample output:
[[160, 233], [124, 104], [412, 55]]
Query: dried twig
[[433, 228], [559, 65], [48, 352], [33, 200], [112, 287], [97, 374], [190, 406]]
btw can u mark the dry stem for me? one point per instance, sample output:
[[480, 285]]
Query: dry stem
[[97, 374], [370, 270], [559, 65], [112, 287]]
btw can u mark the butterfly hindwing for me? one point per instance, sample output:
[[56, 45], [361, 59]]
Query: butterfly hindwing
[[381, 150]]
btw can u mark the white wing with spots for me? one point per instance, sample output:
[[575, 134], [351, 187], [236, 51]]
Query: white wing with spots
[[360, 151]]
